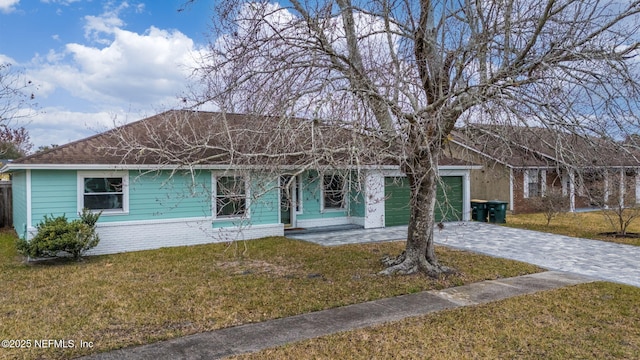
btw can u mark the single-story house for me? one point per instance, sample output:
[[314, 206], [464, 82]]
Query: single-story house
[[521, 165], [154, 192]]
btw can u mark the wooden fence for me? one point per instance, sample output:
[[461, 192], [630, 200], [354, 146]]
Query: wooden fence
[[6, 204]]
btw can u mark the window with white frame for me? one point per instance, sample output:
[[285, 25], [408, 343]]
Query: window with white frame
[[333, 192], [532, 183], [230, 195], [103, 191]]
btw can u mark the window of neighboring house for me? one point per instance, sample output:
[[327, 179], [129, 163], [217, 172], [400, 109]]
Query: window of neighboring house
[[531, 183], [333, 188], [230, 196], [103, 192]]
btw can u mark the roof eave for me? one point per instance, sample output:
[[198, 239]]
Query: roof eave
[[151, 167]]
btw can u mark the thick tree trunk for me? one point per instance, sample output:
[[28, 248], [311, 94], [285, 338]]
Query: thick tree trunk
[[419, 254]]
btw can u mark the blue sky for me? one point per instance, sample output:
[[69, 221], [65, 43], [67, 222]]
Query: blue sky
[[96, 62]]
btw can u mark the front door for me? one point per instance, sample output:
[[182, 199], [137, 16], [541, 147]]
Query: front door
[[287, 200]]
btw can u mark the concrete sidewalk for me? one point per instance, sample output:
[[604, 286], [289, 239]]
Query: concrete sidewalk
[[258, 336]]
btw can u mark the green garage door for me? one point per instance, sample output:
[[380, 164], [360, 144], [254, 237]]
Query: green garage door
[[396, 206]]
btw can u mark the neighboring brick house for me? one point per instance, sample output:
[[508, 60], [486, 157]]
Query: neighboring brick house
[[520, 165]]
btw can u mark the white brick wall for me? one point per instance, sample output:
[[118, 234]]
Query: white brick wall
[[140, 235]]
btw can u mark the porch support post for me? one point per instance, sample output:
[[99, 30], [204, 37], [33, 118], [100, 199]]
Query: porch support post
[[466, 196], [621, 191], [511, 180], [374, 200], [637, 186], [572, 191], [606, 188]]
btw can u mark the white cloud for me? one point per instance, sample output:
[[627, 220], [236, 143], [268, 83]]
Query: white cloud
[[130, 74], [135, 69], [56, 125], [4, 59], [7, 6], [106, 23]]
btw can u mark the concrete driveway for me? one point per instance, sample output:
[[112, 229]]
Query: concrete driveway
[[598, 259]]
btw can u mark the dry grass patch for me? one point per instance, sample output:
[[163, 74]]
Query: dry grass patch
[[588, 321], [141, 297], [587, 225]]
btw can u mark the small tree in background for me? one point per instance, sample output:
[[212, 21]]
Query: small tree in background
[[552, 204], [14, 142], [57, 237], [620, 208]]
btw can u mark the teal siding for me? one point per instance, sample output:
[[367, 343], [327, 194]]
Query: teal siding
[[265, 203], [356, 198], [19, 190], [53, 192], [160, 195], [311, 199], [152, 196]]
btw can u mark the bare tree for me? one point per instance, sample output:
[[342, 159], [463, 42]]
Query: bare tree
[[407, 72], [617, 202], [14, 100], [551, 204]]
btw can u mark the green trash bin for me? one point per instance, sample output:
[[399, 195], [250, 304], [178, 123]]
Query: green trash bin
[[497, 211], [479, 210]]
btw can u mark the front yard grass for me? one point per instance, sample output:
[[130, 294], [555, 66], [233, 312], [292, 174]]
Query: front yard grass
[[586, 225], [134, 298], [588, 321]]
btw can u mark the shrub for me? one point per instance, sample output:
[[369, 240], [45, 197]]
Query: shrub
[[57, 236], [552, 204]]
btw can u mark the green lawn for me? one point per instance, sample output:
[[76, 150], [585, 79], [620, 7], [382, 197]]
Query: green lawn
[[587, 225], [588, 321], [140, 297]]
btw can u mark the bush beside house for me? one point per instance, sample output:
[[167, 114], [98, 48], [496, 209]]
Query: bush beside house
[[58, 237]]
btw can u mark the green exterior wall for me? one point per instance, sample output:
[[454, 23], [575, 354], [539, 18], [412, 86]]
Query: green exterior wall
[[448, 195], [19, 190]]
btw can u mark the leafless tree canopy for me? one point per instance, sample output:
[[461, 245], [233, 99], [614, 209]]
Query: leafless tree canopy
[[15, 103], [13, 93], [408, 72]]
